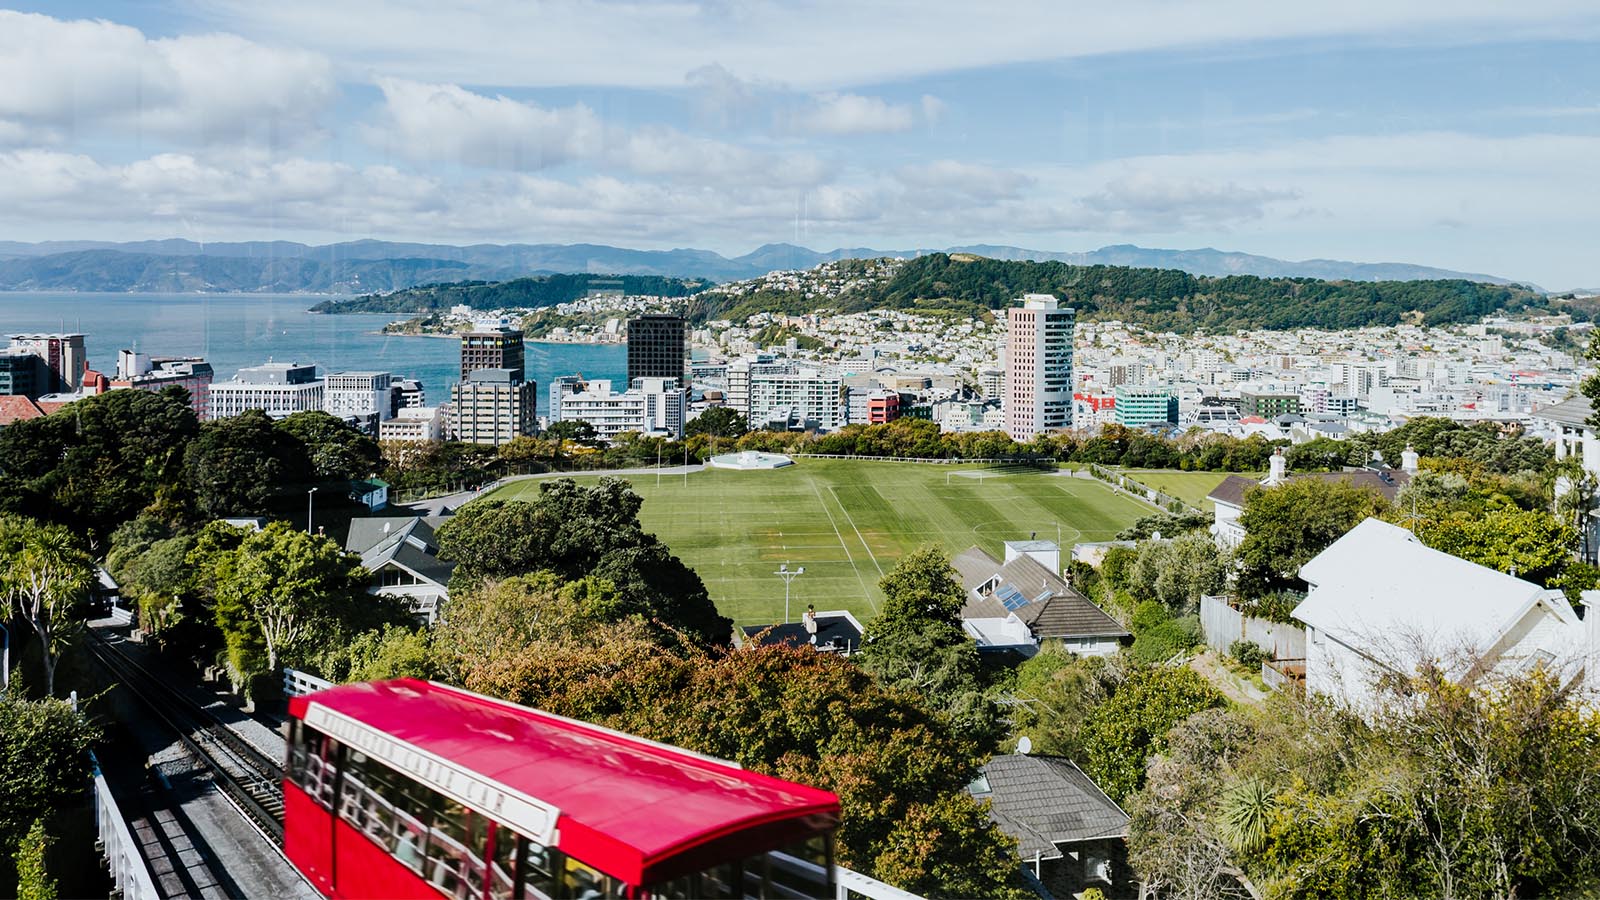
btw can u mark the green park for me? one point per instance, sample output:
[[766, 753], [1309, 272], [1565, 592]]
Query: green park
[[848, 521]]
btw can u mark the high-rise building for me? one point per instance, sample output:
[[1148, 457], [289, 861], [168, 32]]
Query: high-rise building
[[279, 389], [492, 406], [1038, 373], [364, 398], [800, 395], [406, 393], [21, 374], [656, 347], [492, 347], [142, 372], [651, 406], [560, 387], [1137, 407], [64, 359]]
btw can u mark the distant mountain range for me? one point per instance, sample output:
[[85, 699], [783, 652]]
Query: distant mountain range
[[358, 267]]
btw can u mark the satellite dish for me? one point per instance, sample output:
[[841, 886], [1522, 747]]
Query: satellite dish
[[1024, 744]]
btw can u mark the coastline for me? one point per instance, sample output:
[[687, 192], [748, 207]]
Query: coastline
[[525, 339]]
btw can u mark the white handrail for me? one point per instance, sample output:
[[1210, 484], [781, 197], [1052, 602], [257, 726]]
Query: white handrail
[[296, 683], [854, 884], [128, 870]]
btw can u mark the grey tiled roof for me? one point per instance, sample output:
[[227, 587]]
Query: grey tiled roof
[[1572, 411], [1387, 482], [407, 541], [1044, 801], [1057, 611]]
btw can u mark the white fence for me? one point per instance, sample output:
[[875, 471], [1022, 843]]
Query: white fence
[[1222, 625], [854, 884], [128, 871], [296, 683]]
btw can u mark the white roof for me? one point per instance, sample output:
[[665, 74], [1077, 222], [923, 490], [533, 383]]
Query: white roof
[[1381, 590]]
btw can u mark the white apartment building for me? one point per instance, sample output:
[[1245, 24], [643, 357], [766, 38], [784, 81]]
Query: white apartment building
[[651, 406], [142, 372], [1038, 384], [808, 394], [413, 423], [741, 371], [366, 397], [279, 389]]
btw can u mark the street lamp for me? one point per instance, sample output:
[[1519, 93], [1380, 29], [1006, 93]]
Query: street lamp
[[788, 575], [5, 661], [308, 509]]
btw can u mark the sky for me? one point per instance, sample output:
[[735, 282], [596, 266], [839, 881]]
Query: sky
[[1461, 134]]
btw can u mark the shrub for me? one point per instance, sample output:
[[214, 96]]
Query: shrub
[[1148, 615], [1248, 653], [1160, 643]]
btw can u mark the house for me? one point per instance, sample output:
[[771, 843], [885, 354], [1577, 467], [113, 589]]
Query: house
[[1568, 422], [1227, 499], [1383, 602], [402, 554], [837, 632], [17, 408], [373, 493], [1070, 835], [1015, 604]]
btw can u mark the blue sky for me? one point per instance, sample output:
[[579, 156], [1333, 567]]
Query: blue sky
[[1463, 134]]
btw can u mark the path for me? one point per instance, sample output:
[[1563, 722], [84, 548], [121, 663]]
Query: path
[[1236, 689], [432, 505]]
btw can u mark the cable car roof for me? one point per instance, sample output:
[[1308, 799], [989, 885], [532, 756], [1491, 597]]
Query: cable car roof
[[641, 810]]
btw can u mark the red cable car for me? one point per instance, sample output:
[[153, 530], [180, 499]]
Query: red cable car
[[411, 789]]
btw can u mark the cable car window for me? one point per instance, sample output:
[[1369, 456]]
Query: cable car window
[[317, 768], [503, 863], [538, 871], [581, 882], [455, 851]]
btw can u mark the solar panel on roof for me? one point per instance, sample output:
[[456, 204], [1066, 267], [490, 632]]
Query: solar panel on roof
[[1011, 598]]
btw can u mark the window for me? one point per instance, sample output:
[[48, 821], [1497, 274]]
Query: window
[[312, 765], [538, 871], [455, 853]]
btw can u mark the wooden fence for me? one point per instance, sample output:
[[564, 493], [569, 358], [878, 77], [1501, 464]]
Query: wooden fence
[[1222, 625]]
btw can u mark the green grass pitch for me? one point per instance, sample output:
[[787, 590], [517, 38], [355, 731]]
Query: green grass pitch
[[849, 521], [1190, 487]]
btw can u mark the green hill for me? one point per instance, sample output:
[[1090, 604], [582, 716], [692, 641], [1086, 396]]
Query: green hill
[[528, 293]]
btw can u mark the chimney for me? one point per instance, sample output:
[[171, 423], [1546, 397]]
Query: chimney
[[1408, 461], [1276, 468]]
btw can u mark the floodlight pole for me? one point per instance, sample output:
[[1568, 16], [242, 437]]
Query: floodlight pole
[[788, 575]]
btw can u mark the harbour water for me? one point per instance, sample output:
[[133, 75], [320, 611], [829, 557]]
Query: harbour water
[[236, 330]]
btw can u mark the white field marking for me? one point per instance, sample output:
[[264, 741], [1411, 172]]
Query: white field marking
[[865, 593], [848, 518]]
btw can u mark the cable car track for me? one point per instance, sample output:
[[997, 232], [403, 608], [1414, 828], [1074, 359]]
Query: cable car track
[[248, 778]]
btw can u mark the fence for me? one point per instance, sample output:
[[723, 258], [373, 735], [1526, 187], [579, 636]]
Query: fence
[[1222, 625], [854, 884], [1121, 482], [296, 683], [128, 870], [1040, 461]]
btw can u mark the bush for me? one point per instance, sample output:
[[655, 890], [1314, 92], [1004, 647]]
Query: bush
[[1248, 653], [1277, 606], [1167, 639], [1148, 615], [1093, 893]]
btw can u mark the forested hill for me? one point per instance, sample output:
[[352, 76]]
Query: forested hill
[[527, 293], [1170, 300]]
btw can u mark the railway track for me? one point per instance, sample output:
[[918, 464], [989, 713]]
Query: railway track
[[250, 780]]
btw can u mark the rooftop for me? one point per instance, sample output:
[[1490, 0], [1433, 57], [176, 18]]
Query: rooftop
[[1044, 801]]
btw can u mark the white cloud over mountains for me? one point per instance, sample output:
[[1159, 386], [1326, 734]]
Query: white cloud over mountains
[[60, 80]]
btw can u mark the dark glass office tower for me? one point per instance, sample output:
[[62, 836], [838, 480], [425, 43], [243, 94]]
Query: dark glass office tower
[[655, 347]]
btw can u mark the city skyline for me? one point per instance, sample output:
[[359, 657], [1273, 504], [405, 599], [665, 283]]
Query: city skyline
[[1459, 136]]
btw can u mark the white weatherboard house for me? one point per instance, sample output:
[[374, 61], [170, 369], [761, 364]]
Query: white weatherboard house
[[1381, 601]]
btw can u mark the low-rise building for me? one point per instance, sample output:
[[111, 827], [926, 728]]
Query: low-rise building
[[1015, 604], [652, 406], [413, 423], [279, 389], [402, 554], [142, 372]]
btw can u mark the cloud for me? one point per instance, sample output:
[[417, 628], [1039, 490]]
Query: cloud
[[61, 78], [448, 123], [967, 179], [838, 114], [1149, 202], [832, 45]]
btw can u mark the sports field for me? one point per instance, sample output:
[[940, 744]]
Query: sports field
[[848, 522], [1190, 487]]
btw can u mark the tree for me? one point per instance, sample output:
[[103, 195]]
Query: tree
[[33, 877], [238, 466], [917, 643], [574, 430], [393, 651], [1179, 571], [44, 762], [1055, 692], [276, 589], [43, 576], [97, 462], [1285, 526], [336, 451], [1529, 542], [575, 532], [718, 422], [1130, 727]]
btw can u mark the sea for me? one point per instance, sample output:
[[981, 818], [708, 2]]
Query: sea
[[236, 330]]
